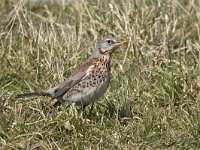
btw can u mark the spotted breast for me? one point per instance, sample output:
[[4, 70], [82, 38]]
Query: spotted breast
[[94, 84]]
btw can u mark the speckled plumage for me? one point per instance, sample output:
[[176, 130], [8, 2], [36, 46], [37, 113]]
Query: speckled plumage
[[94, 85], [89, 81]]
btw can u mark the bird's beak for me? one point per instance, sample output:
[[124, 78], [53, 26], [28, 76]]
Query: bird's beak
[[116, 45], [120, 43]]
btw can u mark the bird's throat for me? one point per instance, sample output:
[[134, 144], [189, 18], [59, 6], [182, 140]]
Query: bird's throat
[[105, 61]]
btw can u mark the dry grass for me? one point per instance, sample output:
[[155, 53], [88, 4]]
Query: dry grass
[[153, 101]]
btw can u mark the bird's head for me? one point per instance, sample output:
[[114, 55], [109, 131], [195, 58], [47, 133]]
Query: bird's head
[[107, 46]]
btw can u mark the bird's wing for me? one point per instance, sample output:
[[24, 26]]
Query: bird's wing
[[79, 74]]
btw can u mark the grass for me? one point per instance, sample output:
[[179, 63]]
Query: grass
[[153, 101]]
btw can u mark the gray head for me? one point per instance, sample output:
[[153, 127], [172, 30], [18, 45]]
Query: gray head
[[107, 46]]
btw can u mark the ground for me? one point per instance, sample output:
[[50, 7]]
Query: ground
[[153, 101]]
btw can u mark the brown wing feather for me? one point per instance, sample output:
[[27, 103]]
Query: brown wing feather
[[75, 78]]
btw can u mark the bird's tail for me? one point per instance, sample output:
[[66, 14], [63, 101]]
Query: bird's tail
[[32, 94]]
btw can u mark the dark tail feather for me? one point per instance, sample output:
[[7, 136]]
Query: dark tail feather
[[31, 95]]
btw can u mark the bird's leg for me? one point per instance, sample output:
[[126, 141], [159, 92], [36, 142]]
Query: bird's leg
[[82, 110], [57, 103], [92, 107], [74, 111]]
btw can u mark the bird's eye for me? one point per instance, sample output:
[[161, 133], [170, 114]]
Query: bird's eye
[[110, 41]]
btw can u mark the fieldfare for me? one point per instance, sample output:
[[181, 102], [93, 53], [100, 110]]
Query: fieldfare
[[89, 81]]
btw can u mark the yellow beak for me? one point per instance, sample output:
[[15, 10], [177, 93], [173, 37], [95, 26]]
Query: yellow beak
[[116, 45], [120, 43]]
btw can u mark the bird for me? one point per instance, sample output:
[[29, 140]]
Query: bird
[[89, 81]]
